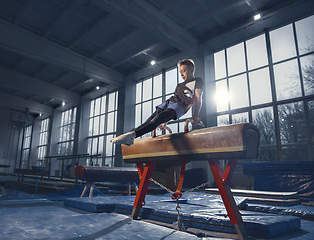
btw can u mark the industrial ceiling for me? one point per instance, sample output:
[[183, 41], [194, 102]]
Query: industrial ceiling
[[54, 51]]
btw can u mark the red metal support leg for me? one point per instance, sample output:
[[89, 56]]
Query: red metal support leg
[[145, 174], [140, 169], [223, 180]]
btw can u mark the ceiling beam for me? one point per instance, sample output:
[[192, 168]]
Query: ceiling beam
[[148, 18], [28, 44], [24, 8], [141, 51], [115, 41], [279, 14], [16, 116], [15, 80], [89, 30], [219, 7], [59, 18], [21, 104]]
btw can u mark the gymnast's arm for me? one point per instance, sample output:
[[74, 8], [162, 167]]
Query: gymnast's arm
[[198, 105]]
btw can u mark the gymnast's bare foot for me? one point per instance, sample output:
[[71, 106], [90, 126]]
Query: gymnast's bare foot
[[126, 139]]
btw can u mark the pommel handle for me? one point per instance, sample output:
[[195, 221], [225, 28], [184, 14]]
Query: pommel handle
[[154, 131], [190, 120]]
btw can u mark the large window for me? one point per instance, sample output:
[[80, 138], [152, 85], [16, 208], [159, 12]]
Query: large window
[[67, 129], [102, 127], [154, 90], [269, 80], [26, 146], [43, 141], [149, 94]]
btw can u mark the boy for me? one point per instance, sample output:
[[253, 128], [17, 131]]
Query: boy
[[186, 93]]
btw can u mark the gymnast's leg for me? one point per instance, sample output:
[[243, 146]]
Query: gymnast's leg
[[158, 117]]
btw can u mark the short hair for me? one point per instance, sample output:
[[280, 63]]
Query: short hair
[[187, 62]]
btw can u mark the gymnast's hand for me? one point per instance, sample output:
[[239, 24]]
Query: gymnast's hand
[[196, 121], [162, 126]]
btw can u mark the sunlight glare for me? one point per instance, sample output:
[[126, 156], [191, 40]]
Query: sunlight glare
[[222, 97]]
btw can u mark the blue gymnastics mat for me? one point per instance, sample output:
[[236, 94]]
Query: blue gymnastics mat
[[58, 223], [197, 211]]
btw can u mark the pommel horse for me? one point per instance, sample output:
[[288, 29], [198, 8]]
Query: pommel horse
[[231, 142]]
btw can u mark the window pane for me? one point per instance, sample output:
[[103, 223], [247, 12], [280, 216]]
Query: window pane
[[102, 124], [138, 119], [66, 118], [157, 86], [256, 52], [267, 154], [108, 162], [171, 80], [147, 110], [71, 148], [236, 59], [61, 134], [305, 34], [25, 154], [109, 145], [307, 66], [156, 102], [240, 117], [147, 89], [103, 104], [238, 92], [40, 154], [287, 80], [45, 138], [293, 153], [173, 127], [263, 119], [117, 98], [260, 86], [90, 130], [89, 146], [74, 115], [311, 116], [292, 123], [26, 140], [96, 126], [73, 130], [110, 122], [70, 117], [100, 145], [220, 64], [65, 133], [223, 120], [222, 96], [181, 126], [94, 147], [97, 106], [282, 43], [28, 131], [111, 102], [43, 126], [138, 92], [62, 118]]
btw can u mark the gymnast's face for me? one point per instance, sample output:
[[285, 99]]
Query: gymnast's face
[[186, 72]]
